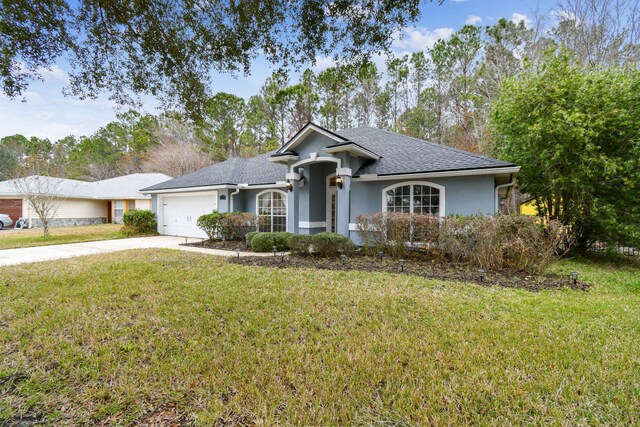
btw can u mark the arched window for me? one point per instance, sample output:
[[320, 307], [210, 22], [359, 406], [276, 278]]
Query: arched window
[[271, 208], [423, 198]]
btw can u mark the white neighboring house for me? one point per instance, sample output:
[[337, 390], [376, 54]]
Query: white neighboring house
[[82, 202]]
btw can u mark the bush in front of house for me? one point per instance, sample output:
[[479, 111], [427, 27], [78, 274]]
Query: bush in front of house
[[249, 236], [264, 242], [490, 242], [232, 226], [211, 224], [328, 244], [235, 225], [300, 244], [139, 222], [396, 233]]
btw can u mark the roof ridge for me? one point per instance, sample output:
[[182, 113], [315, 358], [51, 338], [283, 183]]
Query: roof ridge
[[457, 150]]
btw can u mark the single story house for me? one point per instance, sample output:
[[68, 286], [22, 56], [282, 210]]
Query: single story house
[[320, 180], [78, 202]]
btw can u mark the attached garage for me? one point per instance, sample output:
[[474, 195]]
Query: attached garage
[[11, 207], [178, 214]]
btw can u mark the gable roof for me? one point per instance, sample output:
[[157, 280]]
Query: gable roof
[[387, 153], [306, 131], [401, 154], [252, 171], [122, 187]]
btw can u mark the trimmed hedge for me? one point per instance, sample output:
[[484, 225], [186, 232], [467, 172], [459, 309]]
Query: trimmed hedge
[[300, 244], [211, 224], [331, 244], [139, 221], [249, 236], [323, 244], [227, 226], [264, 242]]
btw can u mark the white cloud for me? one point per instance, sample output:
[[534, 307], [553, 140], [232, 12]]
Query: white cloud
[[413, 39], [459, 1], [520, 17], [55, 131], [473, 20], [54, 74], [322, 63]]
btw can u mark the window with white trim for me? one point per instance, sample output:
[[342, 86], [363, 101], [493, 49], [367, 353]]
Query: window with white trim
[[118, 208], [419, 199], [272, 211]]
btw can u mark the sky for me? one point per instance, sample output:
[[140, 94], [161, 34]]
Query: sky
[[47, 113]]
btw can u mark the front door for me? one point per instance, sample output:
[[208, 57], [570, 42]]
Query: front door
[[332, 203]]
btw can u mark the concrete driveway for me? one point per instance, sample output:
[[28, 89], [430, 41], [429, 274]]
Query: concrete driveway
[[53, 252]]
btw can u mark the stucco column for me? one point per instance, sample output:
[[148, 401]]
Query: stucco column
[[293, 203], [344, 201]]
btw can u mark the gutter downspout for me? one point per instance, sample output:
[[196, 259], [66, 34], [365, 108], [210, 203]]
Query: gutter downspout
[[498, 188], [231, 198]]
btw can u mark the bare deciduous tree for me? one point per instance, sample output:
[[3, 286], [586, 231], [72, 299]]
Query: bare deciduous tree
[[43, 194], [176, 159], [600, 32]]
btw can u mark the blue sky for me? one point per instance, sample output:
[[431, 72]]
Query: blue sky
[[47, 113]]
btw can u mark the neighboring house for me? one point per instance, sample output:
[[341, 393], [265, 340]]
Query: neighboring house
[[81, 202], [321, 180]]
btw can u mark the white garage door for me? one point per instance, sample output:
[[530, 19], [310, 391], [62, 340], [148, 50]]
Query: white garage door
[[180, 214]]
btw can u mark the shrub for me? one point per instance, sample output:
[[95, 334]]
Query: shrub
[[300, 244], [489, 242], [235, 225], [395, 232], [331, 244], [139, 221], [264, 242], [249, 236], [211, 224]]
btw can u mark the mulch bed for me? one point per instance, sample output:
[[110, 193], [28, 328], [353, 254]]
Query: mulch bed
[[219, 244], [431, 270]]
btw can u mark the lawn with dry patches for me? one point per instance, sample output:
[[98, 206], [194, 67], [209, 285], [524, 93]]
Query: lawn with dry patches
[[140, 336], [12, 239]]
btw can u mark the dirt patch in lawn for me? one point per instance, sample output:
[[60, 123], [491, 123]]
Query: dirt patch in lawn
[[431, 270]]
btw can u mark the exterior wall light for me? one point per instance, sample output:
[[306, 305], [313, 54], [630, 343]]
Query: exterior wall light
[[289, 185], [339, 182]]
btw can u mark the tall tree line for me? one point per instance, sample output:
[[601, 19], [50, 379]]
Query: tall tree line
[[443, 94]]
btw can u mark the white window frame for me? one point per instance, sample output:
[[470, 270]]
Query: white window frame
[[115, 208], [286, 207], [441, 189]]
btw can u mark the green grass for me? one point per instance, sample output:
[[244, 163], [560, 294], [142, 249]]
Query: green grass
[[11, 239], [114, 337]]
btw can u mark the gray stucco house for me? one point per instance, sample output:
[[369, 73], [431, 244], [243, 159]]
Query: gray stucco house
[[321, 180]]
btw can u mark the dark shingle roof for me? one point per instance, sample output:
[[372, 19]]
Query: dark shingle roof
[[401, 154], [253, 171]]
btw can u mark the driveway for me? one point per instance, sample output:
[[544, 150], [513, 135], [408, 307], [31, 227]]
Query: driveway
[[53, 252]]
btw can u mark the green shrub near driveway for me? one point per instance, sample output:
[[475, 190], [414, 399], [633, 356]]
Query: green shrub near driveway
[[210, 224], [139, 221], [264, 242]]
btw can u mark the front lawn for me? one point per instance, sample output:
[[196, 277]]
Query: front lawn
[[165, 336], [11, 239]]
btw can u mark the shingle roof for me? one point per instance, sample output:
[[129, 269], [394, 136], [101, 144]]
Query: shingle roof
[[253, 171], [122, 187], [401, 154]]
